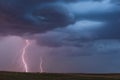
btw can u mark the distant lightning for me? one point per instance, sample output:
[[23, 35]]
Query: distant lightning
[[41, 65], [23, 55]]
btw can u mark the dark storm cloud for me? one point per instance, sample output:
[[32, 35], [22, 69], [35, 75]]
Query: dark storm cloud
[[78, 35], [106, 10], [32, 16], [35, 16], [98, 11], [95, 20]]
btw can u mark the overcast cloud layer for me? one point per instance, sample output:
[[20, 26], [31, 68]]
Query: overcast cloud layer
[[83, 34]]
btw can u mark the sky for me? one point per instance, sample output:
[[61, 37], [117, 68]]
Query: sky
[[71, 36]]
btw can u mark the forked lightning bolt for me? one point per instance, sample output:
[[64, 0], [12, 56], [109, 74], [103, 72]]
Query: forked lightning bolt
[[23, 55]]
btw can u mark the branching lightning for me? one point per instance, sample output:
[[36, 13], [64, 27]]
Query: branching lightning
[[41, 63], [23, 55]]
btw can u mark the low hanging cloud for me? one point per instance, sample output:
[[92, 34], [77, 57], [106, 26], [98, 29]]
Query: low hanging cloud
[[78, 34]]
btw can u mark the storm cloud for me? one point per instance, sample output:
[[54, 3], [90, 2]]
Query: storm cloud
[[28, 16], [40, 16], [94, 20], [66, 22]]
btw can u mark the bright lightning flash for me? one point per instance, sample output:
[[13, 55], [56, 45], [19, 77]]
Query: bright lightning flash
[[41, 63], [23, 55]]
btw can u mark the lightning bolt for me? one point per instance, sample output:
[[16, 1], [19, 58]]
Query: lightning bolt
[[27, 43], [41, 63], [23, 55]]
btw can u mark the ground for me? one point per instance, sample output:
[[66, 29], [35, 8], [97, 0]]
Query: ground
[[56, 76]]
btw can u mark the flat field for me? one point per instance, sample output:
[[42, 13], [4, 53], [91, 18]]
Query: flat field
[[56, 76]]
